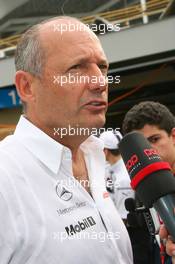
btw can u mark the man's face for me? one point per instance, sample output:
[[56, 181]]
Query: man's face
[[76, 101], [161, 141]]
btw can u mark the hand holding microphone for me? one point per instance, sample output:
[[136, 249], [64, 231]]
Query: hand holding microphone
[[151, 178]]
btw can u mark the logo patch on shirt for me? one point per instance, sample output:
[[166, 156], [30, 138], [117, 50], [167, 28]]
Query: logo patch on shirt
[[70, 209], [63, 193], [80, 226]]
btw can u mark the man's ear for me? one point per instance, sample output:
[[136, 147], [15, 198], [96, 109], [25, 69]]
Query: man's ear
[[23, 81], [106, 153], [173, 134]]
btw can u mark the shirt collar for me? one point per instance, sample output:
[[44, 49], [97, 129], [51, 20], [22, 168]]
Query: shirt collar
[[46, 149]]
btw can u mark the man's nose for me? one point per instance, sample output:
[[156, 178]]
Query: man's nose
[[97, 79]]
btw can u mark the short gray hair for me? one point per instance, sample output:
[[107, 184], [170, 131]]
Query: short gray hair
[[30, 55]]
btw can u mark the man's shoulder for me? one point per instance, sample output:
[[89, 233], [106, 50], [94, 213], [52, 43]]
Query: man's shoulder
[[10, 151], [12, 157], [6, 142], [9, 142]]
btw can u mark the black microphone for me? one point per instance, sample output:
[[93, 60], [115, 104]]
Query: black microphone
[[151, 178]]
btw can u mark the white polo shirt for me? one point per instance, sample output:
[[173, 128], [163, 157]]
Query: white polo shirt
[[47, 217]]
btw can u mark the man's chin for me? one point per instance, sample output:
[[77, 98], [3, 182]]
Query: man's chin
[[92, 121], [98, 123]]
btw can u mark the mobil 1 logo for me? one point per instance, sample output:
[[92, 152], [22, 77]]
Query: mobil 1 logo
[[80, 226]]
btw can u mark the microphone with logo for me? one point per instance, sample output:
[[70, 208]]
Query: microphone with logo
[[151, 178]]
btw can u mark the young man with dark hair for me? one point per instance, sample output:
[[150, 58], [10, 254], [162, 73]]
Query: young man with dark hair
[[157, 124]]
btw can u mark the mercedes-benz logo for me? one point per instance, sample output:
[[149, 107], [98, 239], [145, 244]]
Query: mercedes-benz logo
[[63, 193]]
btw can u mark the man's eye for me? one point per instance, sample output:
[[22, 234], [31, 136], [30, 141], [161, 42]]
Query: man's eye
[[154, 140], [76, 66], [103, 67]]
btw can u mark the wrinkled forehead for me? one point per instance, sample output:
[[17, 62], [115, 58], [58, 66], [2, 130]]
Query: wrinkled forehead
[[68, 34]]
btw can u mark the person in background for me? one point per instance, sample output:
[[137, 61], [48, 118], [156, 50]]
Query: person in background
[[157, 124], [117, 178]]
